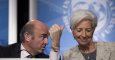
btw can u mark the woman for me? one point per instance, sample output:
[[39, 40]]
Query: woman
[[83, 24]]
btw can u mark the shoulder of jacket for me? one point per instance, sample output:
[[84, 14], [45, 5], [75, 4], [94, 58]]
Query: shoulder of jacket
[[70, 51]]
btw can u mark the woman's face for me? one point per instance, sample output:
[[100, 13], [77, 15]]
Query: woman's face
[[83, 32]]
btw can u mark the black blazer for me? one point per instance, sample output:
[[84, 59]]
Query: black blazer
[[13, 51]]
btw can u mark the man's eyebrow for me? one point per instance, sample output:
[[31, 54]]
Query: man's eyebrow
[[44, 34]]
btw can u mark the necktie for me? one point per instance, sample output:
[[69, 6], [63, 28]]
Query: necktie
[[30, 56]]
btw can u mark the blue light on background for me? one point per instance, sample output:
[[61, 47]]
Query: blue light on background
[[51, 12], [4, 22]]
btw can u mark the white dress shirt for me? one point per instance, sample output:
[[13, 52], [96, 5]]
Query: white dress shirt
[[53, 55], [24, 53]]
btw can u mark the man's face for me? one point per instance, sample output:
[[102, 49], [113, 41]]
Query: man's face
[[40, 39], [83, 32]]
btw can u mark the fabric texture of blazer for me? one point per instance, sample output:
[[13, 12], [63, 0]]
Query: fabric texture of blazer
[[105, 51], [13, 51]]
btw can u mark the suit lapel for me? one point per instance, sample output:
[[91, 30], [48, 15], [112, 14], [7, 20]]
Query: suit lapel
[[16, 52]]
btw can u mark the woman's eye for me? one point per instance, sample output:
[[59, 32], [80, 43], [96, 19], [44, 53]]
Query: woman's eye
[[88, 30], [78, 30]]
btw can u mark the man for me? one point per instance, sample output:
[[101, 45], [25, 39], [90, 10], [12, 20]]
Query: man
[[34, 38]]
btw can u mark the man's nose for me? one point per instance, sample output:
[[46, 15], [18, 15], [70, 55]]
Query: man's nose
[[46, 41]]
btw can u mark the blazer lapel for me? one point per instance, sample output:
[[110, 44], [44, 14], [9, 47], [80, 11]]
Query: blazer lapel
[[77, 55]]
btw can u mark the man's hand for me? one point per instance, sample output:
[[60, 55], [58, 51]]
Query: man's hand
[[55, 34]]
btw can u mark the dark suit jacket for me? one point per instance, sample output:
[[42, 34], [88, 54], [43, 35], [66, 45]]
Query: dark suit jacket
[[13, 51]]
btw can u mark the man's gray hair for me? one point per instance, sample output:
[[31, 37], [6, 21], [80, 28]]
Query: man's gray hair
[[80, 15], [28, 27]]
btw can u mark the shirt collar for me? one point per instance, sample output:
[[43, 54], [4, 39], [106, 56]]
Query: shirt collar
[[24, 53]]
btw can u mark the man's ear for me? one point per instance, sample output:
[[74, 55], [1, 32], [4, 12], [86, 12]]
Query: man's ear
[[27, 36]]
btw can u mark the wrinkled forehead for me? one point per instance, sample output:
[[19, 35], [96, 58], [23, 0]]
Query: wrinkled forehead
[[41, 28]]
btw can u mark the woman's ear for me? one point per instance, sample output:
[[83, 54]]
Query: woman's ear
[[27, 36]]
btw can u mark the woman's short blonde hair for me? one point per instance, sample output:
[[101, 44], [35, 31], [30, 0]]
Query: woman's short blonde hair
[[80, 15]]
